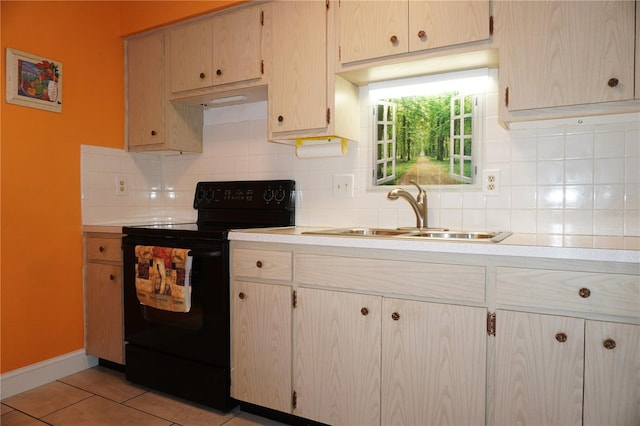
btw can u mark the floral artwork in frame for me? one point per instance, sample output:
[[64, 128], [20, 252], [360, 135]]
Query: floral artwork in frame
[[34, 81]]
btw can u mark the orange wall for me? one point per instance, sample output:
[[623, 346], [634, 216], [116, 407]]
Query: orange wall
[[41, 304]]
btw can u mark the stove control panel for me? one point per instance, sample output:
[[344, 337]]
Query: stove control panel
[[248, 195]]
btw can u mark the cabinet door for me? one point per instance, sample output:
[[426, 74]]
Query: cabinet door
[[145, 90], [612, 374], [372, 29], [104, 326], [190, 50], [539, 369], [298, 85], [236, 46], [434, 363], [261, 344], [337, 357], [446, 23], [568, 53]]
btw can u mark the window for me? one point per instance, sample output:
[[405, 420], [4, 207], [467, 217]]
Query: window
[[427, 129]]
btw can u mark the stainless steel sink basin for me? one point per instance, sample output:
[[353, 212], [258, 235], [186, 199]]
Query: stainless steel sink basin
[[361, 232], [461, 235], [435, 233]]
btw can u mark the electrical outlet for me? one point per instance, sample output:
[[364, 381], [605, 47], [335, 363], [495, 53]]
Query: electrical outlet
[[121, 186], [491, 182], [343, 186]]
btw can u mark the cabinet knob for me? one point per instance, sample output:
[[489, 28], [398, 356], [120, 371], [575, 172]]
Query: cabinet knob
[[422, 34], [561, 337], [218, 72], [259, 264], [202, 75], [613, 82], [241, 295], [364, 311], [280, 119], [609, 344], [112, 277], [395, 316], [153, 133], [584, 292], [101, 249], [393, 39]]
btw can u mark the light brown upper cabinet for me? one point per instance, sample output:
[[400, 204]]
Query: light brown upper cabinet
[[305, 99], [565, 53], [154, 123], [225, 48], [376, 29]]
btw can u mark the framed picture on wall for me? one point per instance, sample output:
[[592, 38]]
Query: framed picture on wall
[[34, 81]]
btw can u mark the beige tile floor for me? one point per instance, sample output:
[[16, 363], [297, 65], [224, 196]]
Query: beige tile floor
[[102, 397]]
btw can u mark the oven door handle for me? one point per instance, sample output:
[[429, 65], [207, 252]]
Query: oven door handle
[[205, 253]]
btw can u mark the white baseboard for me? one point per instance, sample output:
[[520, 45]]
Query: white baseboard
[[34, 375]]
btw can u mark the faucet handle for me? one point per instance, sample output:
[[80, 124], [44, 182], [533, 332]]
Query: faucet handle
[[421, 193]]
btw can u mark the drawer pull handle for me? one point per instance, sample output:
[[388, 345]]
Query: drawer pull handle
[[153, 133], [561, 337], [613, 82], [584, 293], [241, 295], [280, 119], [364, 311], [218, 72], [395, 316], [393, 39], [609, 344], [112, 277], [422, 34], [202, 75], [101, 249], [259, 264]]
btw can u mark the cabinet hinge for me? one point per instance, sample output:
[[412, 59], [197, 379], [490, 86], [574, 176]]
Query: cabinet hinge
[[506, 97], [294, 400], [328, 116], [491, 324], [491, 25], [262, 18], [339, 53], [262, 66], [294, 298], [327, 4]]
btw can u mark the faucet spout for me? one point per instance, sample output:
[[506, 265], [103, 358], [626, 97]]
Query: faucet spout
[[418, 204]]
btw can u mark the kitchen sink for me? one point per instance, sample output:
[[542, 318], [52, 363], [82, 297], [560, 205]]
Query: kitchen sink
[[430, 233], [455, 235], [361, 232]]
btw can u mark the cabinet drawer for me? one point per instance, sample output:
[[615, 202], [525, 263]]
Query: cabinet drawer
[[588, 292], [104, 249], [274, 265], [459, 282]]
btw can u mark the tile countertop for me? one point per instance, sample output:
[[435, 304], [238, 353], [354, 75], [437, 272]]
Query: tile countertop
[[576, 247]]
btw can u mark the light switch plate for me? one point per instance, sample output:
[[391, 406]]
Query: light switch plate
[[343, 186]]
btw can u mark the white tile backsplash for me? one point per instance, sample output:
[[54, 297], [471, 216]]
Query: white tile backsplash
[[558, 176]]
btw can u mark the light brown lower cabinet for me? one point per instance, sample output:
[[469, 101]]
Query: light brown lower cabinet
[[104, 323], [558, 370]]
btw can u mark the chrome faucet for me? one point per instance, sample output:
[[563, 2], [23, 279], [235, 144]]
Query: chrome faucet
[[418, 204]]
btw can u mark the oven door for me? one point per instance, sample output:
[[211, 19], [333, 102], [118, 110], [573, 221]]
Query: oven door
[[202, 334]]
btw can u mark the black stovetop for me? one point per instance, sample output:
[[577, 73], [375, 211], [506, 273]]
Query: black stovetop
[[223, 206]]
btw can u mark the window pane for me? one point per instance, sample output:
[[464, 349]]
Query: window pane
[[456, 106], [456, 146], [456, 127], [467, 146], [467, 126], [380, 171], [389, 132], [380, 132], [468, 104], [380, 112], [467, 168]]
